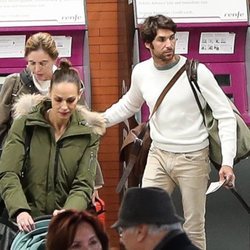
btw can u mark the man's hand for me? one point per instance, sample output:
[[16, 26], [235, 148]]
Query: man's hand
[[226, 174]]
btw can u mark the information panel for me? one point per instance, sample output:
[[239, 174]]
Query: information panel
[[193, 11], [14, 13]]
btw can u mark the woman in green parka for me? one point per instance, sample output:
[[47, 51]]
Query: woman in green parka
[[60, 168], [41, 55]]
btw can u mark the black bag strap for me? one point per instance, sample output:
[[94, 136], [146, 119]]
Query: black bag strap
[[16, 88], [139, 140], [192, 77], [27, 80], [26, 77], [193, 80]]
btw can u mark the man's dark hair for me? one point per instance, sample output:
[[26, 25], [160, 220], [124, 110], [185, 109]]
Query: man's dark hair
[[148, 29]]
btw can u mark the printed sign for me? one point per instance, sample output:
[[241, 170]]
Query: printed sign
[[12, 46], [14, 13], [193, 11], [217, 43]]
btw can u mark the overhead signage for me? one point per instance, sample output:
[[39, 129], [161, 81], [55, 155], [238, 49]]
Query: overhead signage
[[193, 11], [15, 13]]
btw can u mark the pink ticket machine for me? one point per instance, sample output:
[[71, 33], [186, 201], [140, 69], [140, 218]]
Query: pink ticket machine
[[215, 36], [64, 20]]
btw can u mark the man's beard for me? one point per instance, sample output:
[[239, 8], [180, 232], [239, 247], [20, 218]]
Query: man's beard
[[165, 58]]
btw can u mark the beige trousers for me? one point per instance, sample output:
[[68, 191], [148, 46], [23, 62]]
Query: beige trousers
[[190, 172]]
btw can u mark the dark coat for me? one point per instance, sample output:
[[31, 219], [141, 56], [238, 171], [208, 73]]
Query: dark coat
[[176, 241], [15, 85]]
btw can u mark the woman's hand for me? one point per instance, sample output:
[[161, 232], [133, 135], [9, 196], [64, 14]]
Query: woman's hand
[[95, 196], [25, 222], [56, 211]]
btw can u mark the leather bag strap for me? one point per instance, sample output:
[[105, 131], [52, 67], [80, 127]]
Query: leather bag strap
[[139, 139], [167, 88]]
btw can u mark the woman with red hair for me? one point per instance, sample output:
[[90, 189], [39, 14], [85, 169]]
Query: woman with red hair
[[76, 230]]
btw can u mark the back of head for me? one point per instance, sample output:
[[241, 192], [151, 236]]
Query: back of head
[[66, 73], [148, 205], [42, 41], [63, 227], [148, 29]]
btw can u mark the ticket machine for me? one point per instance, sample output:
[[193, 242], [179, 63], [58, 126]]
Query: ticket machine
[[64, 20], [215, 36]]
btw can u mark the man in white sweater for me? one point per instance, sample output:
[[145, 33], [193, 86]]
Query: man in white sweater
[[179, 150]]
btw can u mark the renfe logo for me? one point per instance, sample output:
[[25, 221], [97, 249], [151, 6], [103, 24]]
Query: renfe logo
[[234, 15], [72, 18]]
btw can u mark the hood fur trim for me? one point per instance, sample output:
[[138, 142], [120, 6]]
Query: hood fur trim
[[26, 102]]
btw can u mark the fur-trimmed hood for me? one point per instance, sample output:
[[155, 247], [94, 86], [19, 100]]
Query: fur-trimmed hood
[[27, 102]]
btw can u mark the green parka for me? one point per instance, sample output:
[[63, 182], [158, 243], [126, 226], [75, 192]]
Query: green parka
[[14, 87], [57, 174]]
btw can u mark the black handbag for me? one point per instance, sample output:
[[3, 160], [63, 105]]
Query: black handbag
[[8, 231]]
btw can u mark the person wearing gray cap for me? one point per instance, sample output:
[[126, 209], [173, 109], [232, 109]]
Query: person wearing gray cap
[[147, 220]]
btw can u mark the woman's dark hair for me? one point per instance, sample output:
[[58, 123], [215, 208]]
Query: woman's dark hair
[[62, 229], [66, 73], [44, 41], [148, 29]]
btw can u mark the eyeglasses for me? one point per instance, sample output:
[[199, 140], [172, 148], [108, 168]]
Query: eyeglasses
[[120, 230], [42, 64]]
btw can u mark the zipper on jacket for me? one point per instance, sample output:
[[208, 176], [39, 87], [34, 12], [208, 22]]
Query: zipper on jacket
[[92, 161], [58, 146]]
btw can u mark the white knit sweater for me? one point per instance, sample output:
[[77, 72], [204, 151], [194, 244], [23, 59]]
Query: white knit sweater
[[177, 125]]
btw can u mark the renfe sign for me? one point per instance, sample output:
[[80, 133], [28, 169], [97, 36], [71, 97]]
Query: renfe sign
[[16, 13], [193, 11]]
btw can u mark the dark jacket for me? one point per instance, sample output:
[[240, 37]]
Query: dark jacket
[[59, 174], [14, 85], [176, 240]]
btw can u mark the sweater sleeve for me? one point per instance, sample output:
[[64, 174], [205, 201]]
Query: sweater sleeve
[[129, 104], [222, 111]]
